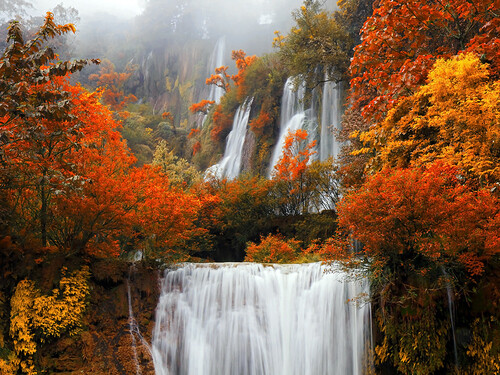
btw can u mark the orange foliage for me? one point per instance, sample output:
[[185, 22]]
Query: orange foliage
[[220, 78], [242, 63], [421, 218], [193, 132], [273, 249], [196, 148], [113, 83], [202, 106], [295, 158], [167, 116], [221, 122], [165, 214], [262, 121], [223, 80]]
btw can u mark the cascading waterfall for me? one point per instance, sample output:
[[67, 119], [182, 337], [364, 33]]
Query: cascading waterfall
[[253, 319], [292, 118], [217, 60], [331, 117], [230, 165]]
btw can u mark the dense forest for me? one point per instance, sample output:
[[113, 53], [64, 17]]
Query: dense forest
[[110, 142]]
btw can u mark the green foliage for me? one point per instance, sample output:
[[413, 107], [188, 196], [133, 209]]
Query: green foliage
[[318, 40], [179, 171]]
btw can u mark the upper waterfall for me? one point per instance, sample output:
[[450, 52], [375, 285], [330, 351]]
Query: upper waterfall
[[251, 319], [217, 60], [331, 118], [293, 117], [230, 164]]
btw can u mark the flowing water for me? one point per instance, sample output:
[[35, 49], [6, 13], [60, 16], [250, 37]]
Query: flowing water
[[217, 60], [230, 165], [251, 319], [331, 117]]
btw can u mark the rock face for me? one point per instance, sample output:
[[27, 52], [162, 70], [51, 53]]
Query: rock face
[[106, 345]]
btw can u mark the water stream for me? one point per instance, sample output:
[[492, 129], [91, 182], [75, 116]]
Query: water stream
[[230, 164], [251, 319]]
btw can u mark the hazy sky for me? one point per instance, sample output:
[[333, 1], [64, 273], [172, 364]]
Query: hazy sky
[[120, 8]]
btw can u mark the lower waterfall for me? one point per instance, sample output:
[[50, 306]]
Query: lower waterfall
[[253, 319]]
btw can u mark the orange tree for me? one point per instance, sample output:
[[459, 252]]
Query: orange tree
[[290, 185], [273, 249], [68, 178], [112, 82], [223, 113], [35, 121], [423, 229], [244, 211]]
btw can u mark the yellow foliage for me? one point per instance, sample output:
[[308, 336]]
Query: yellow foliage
[[9, 366], [479, 350], [34, 315], [455, 117]]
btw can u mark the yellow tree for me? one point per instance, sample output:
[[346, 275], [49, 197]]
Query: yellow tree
[[454, 117]]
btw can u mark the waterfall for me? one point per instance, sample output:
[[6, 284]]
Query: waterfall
[[253, 319], [292, 118], [133, 328], [230, 164], [132, 322], [331, 117], [217, 60]]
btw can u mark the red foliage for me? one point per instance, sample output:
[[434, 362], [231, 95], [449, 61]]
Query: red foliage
[[402, 39], [422, 218]]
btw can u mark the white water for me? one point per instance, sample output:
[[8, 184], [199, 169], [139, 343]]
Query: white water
[[292, 118], [250, 319], [331, 118], [217, 60], [230, 164]]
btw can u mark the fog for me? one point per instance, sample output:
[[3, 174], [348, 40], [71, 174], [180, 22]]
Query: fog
[[87, 8]]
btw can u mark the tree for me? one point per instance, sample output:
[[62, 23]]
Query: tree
[[291, 189], [407, 37], [179, 171], [418, 219], [318, 40], [112, 83], [454, 117], [273, 249], [423, 229], [35, 111], [75, 187]]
